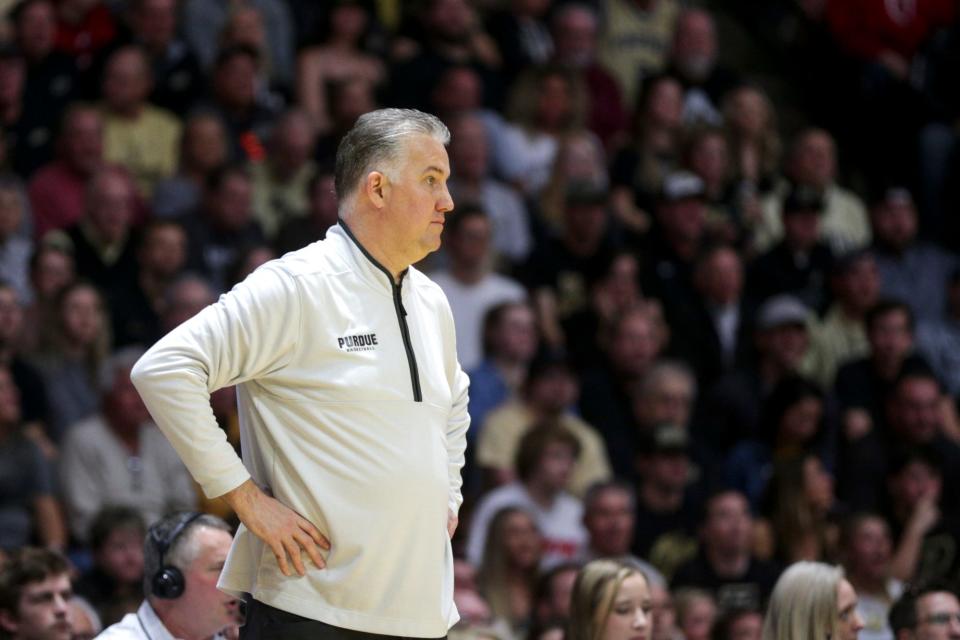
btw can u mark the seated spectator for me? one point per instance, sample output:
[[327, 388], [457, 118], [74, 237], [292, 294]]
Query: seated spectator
[[938, 340], [575, 28], [914, 416], [15, 249], [866, 549], [183, 299], [223, 224], [669, 499], [470, 286], [51, 82], [731, 409], [137, 135], [841, 336], [639, 169], [78, 346], [508, 572], [118, 457], [321, 215], [52, 268], [135, 308], [471, 181], [185, 603], [552, 596], [911, 270], [177, 78], [812, 162], [29, 510], [559, 268], [755, 148], [610, 599], [800, 263], [799, 511], [549, 393], [114, 584], [696, 613], [863, 385], [580, 162], [35, 596], [632, 343], [280, 180], [931, 611], [203, 148], [103, 241], [707, 154], [694, 60], [710, 331], [510, 342], [205, 23], [725, 565], [341, 54], [57, 189], [546, 104], [247, 113], [793, 421], [545, 462]]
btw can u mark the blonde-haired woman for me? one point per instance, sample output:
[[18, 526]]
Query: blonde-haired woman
[[611, 601], [812, 601]]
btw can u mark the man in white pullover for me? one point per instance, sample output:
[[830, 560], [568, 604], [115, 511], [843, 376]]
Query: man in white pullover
[[353, 407]]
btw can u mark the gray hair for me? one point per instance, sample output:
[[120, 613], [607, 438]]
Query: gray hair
[[375, 142], [120, 361], [182, 551], [803, 605]]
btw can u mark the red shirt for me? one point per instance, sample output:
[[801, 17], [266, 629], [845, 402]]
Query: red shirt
[[866, 28]]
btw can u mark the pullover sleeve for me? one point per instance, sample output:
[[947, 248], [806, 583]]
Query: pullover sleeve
[[249, 333], [459, 419]]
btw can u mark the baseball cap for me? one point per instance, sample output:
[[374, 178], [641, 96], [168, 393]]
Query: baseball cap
[[682, 185], [782, 310]]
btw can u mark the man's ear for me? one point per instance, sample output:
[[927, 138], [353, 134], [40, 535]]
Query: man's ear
[[8, 622], [377, 188]]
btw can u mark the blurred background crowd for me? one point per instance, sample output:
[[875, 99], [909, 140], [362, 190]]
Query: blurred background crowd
[[703, 269]]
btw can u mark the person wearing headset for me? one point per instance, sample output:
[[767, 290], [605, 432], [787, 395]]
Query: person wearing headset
[[183, 555]]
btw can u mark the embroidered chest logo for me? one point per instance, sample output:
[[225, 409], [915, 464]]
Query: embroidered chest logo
[[361, 342]]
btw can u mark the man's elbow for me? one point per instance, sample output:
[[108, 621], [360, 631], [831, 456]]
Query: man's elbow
[[142, 373]]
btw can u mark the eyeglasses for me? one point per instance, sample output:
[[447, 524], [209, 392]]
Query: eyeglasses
[[942, 618]]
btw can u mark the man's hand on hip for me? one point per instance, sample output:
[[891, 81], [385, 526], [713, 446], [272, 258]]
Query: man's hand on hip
[[283, 529]]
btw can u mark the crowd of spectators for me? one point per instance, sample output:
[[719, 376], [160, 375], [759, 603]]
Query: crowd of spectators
[[703, 266]]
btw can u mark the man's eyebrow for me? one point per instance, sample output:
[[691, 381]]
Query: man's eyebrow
[[434, 169]]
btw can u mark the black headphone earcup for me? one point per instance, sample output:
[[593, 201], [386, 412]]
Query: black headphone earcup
[[168, 583]]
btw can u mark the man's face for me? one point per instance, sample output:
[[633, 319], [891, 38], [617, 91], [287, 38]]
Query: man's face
[[728, 526], [517, 333], [121, 556], [43, 612], [938, 617], [164, 251], [232, 202], [915, 482], [721, 278], [684, 219], [37, 30], [815, 161], [449, 20], [416, 199], [575, 38], [850, 622], [110, 206], [915, 413], [468, 148], [209, 608], [83, 141], [668, 402], [609, 520], [895, 223], [870, 550], [155, 22], [235, 82], [785, 345], [860, 284], [470, 245], [635, 345], [126, 81], [695, 45], [891, 339]]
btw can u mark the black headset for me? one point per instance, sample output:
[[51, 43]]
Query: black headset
[[168, 582]]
